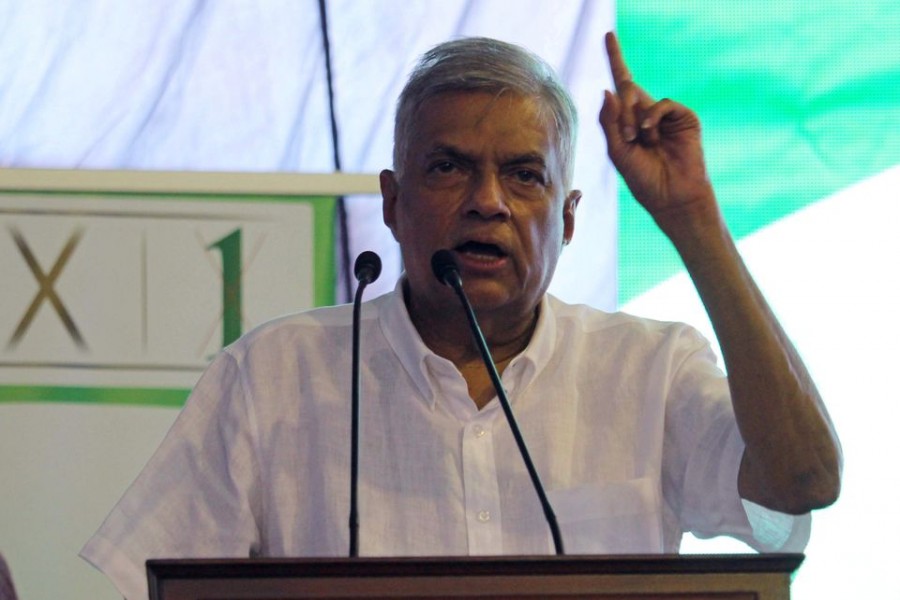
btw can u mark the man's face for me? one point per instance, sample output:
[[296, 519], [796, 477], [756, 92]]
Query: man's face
[[481, 177]]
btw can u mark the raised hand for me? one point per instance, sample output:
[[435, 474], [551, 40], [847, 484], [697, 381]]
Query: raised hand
[[656, 147]]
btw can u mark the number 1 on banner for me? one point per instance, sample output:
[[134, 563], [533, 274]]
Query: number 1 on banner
[[230, 247]]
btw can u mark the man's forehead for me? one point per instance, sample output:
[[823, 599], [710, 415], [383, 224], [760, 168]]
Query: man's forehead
[[449, 118], [523, 106]]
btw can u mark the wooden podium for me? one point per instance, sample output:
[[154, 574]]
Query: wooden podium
[[645, 577]]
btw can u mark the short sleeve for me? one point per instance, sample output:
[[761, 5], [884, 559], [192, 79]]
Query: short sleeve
[[196, 497], [704, 452]]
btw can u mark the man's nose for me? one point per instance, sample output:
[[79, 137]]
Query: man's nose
[[487, 198]]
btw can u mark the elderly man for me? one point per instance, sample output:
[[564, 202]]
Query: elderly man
[[636, 434]]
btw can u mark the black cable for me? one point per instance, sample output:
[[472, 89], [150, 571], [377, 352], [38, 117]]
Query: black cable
[[341, 205]]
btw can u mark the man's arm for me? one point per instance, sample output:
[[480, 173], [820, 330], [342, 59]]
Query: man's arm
[[792, 460]]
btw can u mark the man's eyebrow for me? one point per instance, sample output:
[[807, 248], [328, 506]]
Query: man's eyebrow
[[455, 153], [529, 158], [445, 151]]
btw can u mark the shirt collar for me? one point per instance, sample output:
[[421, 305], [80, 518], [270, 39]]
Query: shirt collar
[[524, 368], [419, 361], [406, 342]]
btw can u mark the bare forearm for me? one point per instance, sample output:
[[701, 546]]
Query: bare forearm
[[792, 459]]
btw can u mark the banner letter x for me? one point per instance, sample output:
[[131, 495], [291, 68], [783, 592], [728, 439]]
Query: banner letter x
[[45, 290]]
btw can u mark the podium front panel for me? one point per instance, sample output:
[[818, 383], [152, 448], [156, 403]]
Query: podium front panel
[[720, 577]]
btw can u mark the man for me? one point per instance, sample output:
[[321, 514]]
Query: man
[[636, 434]]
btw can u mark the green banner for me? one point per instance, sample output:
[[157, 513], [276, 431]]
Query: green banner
[[798, 100]]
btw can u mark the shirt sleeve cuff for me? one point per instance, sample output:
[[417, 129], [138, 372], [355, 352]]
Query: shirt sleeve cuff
[[129, 579], [777, 532]]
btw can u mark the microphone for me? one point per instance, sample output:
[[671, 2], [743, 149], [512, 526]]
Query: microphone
[[367, 268], [444, 267]]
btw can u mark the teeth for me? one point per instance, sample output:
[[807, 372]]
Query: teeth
[[480, 250], [483, 257]]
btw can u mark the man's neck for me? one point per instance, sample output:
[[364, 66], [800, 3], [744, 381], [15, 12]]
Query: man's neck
[[447, 333]]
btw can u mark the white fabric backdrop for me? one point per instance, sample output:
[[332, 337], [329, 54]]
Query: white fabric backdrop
[[242, 85]]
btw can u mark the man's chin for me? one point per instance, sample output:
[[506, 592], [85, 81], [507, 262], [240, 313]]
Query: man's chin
[[488, 298]]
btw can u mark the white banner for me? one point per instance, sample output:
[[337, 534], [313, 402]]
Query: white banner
[[127, 285]]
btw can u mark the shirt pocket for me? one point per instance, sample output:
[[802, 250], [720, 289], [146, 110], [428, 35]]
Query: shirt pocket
[[619, 517]]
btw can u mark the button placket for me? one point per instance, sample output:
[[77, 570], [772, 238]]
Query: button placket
[[482, 493]]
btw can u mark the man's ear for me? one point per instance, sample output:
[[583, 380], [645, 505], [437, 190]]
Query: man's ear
[[569, 206], [389, 190]]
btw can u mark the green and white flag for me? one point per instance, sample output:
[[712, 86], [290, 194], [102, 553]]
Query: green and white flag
[[798, 101], [800, 104]]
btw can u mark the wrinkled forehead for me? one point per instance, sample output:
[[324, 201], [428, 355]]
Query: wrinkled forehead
[[528, 105], [499, 114]]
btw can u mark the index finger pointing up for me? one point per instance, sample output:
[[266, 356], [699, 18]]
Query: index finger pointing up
[[620, 73]]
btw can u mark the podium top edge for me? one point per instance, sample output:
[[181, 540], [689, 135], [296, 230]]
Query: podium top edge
[[474, 566]]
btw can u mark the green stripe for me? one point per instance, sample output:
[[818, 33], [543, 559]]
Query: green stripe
[[325, 276], [797, 101], [162, 397]]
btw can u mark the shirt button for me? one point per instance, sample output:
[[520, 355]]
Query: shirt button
[[479, 431], [484, 516]]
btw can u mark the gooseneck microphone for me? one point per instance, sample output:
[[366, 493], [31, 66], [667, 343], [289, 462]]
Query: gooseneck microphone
[[444, 267], [367, 268]]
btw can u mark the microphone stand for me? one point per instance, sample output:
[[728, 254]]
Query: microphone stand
[[445, 269], [367, 269]]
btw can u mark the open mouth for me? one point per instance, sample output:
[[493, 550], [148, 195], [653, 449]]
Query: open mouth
[[480, 251]]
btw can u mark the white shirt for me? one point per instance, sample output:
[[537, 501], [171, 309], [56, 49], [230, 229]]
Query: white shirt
[[628, 421]]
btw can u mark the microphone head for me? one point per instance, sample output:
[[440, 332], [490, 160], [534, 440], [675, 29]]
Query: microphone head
[[367, 267], [443, 265]]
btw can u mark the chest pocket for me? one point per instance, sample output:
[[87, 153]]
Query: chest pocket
[[621, 517]]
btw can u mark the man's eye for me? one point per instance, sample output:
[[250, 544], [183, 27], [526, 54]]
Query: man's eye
[[526, 176], [443, 167]]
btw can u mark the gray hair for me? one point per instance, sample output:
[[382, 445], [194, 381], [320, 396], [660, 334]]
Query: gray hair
[[484, 64]]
